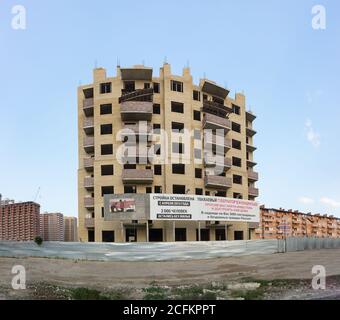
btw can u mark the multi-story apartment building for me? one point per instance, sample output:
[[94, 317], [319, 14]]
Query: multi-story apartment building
[[19, 221], [137, 103], [280, 223], [71, 229], [52, 226]]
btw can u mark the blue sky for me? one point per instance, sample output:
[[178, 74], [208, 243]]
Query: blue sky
[[288, 71]]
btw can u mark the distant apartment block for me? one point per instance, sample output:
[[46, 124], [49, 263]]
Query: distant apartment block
[[19, 221], [71, 229], [280, 223], [52, 227]]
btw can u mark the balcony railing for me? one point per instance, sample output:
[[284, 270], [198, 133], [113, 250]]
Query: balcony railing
[[89, 164], [253, 192], [136, 111], [250, 116], [139, 176], [216, 108], [215, 142], [89, 144], [217, 182], [89, 183], [137, 95], [89, 222], [88, 107], [250, 131], [211, 121], [253, 176], [89, 202], [217, 161], [89, 126]]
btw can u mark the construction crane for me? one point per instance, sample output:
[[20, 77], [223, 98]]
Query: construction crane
[[36, 195]]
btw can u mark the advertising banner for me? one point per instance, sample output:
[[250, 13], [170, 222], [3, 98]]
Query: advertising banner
[[202, 208]]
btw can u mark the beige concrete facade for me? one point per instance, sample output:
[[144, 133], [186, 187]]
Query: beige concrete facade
[[111, 104]]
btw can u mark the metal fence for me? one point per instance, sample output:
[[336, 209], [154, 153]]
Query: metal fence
[[166, 251]]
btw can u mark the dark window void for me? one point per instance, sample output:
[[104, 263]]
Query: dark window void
[[222, 194], [155, 235], [90, 235], [129, 86], [108, 236], [199, 191], [156, 108], [158, 189], [196, 95], [158, 170], [237, 195], [148, 190], [177, 107], [205, 235], [105, 87], [238, 235], [106, 149], [178, 189], [157, 149], [107, 190], [178, 168], [236, 127], [147, 85], [220, 235], [197, 115], [106, 129], [237, 162], [176, 86], [156, 128], [198, 173], [107, 170], [131, 235], [236, 109], [180, 234], [177, 127], [236, 144], [130, 189], [156, 87], [237, 179], [105, 109]]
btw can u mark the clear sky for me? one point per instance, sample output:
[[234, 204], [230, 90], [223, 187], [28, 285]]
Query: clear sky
[[288, 71]]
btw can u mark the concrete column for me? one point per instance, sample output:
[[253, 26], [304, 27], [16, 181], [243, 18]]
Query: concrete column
[[199, 230], [147, 231], [174, 231]]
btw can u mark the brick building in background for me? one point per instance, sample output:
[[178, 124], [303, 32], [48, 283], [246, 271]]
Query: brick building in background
[[52, 226], [280, 223], [71, 229], [19, 221]]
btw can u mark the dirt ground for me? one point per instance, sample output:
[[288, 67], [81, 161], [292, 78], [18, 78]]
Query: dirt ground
[[113, 275]]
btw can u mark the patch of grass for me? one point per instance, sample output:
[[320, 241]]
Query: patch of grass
[[155, 293], [87, 294], [195, 293]]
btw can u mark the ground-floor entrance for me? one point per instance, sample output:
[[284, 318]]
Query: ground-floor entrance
[[156, 235]]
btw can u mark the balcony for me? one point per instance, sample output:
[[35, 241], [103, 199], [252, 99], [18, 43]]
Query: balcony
[[89, 144], [215, 90], [141, 95], [211, 121], [89, 126], [89, 183], [213, 142], [132, 131], [89, 164], [251, 148], [254, 192], [251, 163], [216, 108], [218, 182], [136, 110], [217, 161], [253, 176], [139, 176], [89, 223], [88, 107], [250, 131], [89, 202], [250, 116]]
